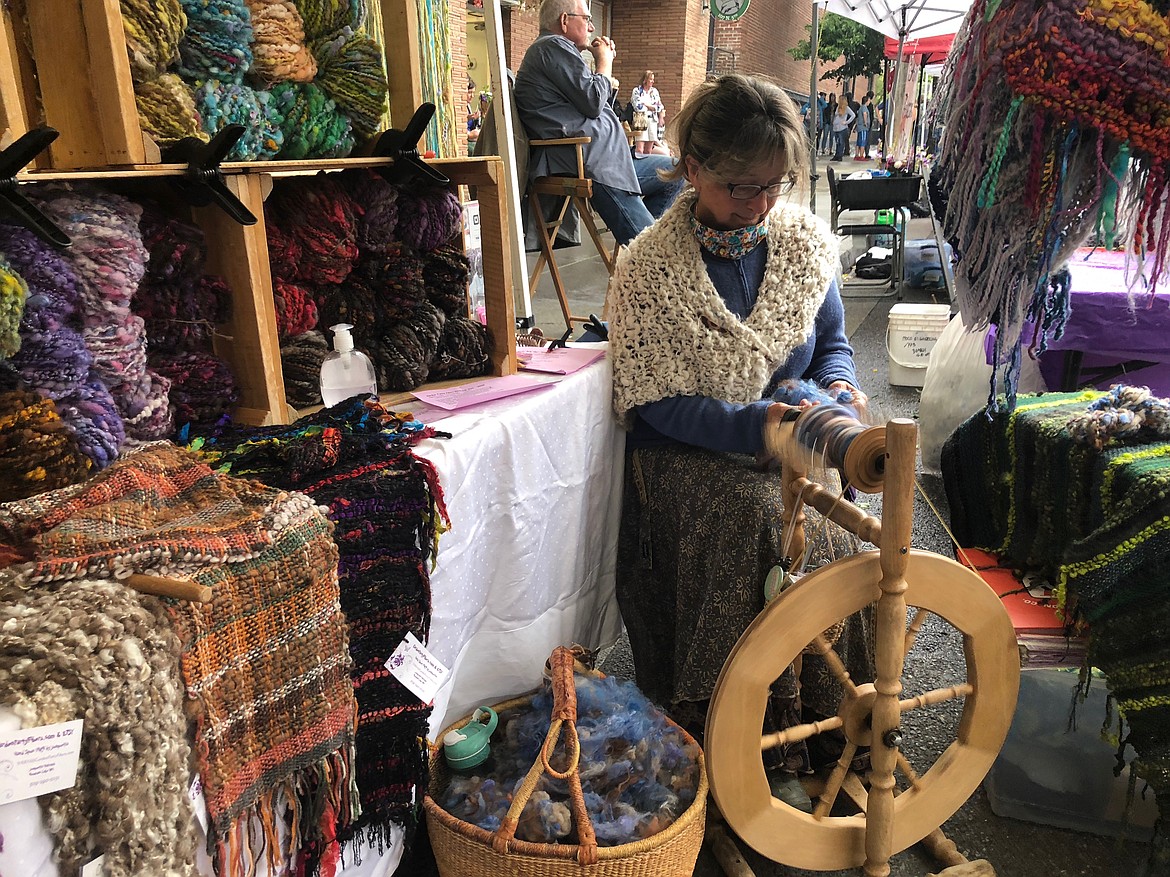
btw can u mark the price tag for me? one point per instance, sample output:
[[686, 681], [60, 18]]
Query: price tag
[[198, 802], [94, 867], [416, 668], [36, 761]]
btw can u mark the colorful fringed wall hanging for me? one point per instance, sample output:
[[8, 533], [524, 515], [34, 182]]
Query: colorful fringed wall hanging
[[1056, 129], [355, 461]]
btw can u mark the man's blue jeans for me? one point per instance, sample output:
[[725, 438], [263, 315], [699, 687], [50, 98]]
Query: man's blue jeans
[[625, 213]]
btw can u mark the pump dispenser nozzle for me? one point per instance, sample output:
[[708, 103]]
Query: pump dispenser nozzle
[[342, 339]]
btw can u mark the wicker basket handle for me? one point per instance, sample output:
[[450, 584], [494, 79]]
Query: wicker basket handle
[[564, 718]]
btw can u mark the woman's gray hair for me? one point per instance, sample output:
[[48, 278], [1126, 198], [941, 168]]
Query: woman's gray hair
[[734, 123], [551, 12]]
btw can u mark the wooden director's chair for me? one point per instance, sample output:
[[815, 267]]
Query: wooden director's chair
[[572, 191]]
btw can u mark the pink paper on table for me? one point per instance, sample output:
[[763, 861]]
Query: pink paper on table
[[452, 398], [562, 360]]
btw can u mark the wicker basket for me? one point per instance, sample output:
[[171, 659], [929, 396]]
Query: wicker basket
[[465, 850]]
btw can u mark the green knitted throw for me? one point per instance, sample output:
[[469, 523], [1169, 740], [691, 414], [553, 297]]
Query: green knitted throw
[[1098, 523]]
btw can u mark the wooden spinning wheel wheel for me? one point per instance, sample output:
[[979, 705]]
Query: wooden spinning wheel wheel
[[870, 714]]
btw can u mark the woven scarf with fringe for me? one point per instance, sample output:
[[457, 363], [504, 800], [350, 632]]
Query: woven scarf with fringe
[[266, 663], [1055, 129], [1030, 486], [355, 461]]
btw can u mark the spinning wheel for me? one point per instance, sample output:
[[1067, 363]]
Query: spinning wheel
[[869, 714]]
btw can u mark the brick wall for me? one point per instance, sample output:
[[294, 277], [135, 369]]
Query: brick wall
[[457, 18], [521, 28]]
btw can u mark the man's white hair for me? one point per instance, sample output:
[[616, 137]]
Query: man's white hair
[[551, 12]]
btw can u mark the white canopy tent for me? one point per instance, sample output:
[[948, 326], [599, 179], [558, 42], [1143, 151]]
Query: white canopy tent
[[902, 20]]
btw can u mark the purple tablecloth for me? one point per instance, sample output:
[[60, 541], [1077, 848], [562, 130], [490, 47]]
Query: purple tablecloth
[[1109, 327]]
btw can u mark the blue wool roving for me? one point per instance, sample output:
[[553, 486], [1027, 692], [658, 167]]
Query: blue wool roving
[[638, 771], [792, 392]]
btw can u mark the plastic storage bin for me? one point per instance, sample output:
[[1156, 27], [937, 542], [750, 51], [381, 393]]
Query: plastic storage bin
[[911, 334]]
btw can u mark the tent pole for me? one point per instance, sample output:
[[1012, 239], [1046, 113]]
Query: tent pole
[[814, 111], [899, 87]]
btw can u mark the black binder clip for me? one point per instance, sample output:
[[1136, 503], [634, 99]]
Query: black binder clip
[[563, 341], [402, 146], [21, 152], [203, 182]]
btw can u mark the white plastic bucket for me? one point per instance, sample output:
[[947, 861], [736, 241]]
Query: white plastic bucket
[[911, 334]]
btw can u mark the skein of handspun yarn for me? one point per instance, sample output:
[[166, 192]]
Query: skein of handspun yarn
[[311, 124], [464, 350], [321, 216], [50, 277], [350, 70], [149, 415], [13, 292], [296, 312], [37, 451], [300, 360], [95, 649], [323, 17], [177, 250], [220, 104], [403, 350], [166, 110], [279, 50], [153, 31], [92, 416], [284, 250], [445, 274], [119, 358], [202, 387], [394, 280], [218, 41], [107, 254], [379, 199], [53, 359], [428, 216]]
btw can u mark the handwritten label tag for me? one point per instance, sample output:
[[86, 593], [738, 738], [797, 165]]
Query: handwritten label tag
[[198, 802], [94, 867], [36, 761], [416, 668]]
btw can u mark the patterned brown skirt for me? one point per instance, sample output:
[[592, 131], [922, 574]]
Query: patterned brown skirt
[[700, 531]]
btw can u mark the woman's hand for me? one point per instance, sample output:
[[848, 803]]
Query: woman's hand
[[777, 413], [860, 400]]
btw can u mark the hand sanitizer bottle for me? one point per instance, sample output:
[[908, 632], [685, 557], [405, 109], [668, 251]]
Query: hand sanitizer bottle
[[346, 372]]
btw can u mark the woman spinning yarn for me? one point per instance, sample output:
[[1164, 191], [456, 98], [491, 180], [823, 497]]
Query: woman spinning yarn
[[730, 293]]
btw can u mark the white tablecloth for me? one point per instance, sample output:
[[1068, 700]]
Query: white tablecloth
[[533, 487]]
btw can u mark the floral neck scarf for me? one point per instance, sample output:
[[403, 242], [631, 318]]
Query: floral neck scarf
[[734, 244]]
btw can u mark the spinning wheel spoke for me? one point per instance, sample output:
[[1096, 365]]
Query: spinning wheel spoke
[[833, 783], [833, 661], [907, 770], [913, 630], [936, 695], [799, 732]]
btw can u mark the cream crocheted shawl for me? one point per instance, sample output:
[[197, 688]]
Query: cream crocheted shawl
[[671, 334]]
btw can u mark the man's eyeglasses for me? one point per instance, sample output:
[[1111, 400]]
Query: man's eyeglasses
[[746, 191], [588, 18]]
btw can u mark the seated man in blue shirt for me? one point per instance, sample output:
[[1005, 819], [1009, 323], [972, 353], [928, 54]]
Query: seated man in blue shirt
[[557, 95]]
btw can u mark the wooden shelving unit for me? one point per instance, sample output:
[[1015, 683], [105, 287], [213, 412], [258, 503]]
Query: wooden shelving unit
[[86, 94]]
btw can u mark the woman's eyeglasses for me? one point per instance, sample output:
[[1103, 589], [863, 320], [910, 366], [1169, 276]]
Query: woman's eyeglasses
[[746, 191], [588, 18]]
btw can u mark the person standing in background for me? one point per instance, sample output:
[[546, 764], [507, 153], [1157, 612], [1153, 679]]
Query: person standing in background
[[842, 119], [645, 99], [830, 110], [864, 123]]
